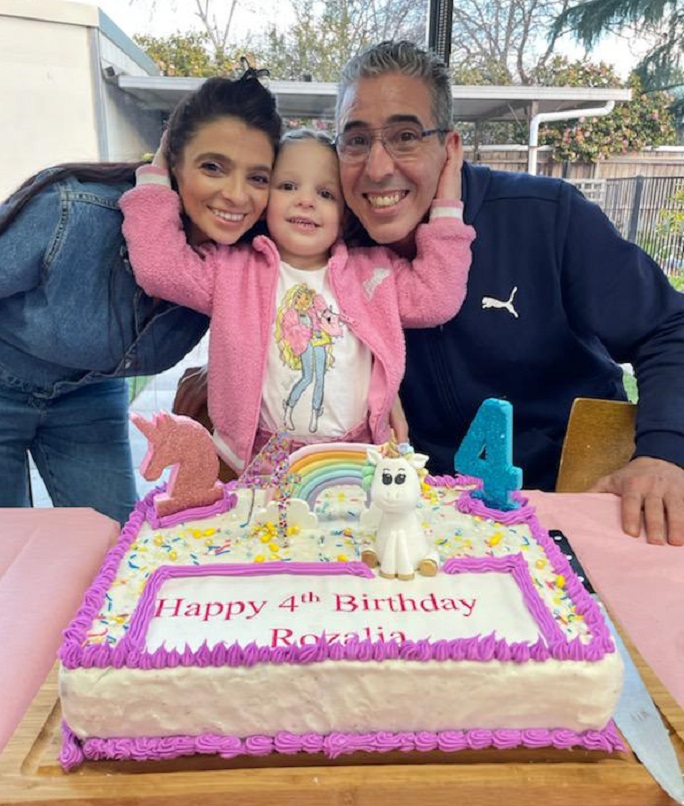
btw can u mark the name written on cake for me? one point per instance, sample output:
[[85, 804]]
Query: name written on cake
[[184, 608]]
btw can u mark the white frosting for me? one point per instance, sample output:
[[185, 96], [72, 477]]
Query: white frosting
[[341, 696]]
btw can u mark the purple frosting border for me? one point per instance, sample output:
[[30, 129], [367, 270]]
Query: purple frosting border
[[601, 642], [74, 751], [227, 502], [73, 654]]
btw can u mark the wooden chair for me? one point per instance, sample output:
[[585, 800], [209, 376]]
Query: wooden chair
[[598, 440]]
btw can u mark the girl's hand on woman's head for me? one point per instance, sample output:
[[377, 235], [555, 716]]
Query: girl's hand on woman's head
[[449, 185]]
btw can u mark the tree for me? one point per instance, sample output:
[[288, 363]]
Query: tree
[[326, 34], [644, 121], [661, 20], [216, 28], [188, 54], [502, 39]]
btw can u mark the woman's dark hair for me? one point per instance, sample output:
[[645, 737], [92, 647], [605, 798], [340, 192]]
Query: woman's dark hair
[[244, 98], [106, 173]]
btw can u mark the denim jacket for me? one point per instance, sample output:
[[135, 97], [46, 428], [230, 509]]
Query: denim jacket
[[71, 312]]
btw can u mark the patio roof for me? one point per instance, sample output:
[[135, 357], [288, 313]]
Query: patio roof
[[302, 99]]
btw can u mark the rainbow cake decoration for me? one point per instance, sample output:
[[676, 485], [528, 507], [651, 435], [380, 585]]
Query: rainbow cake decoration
[[498, 645], [324, 465]]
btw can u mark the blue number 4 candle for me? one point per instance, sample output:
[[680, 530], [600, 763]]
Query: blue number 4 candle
[[487, 453]]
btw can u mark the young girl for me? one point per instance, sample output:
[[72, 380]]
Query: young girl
[[73, 322], [306, 334]]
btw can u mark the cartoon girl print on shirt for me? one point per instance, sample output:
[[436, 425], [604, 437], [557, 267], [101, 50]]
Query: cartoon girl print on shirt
[[304, 331]]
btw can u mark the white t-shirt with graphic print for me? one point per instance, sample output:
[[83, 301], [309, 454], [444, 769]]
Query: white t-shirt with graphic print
[[317, 372]]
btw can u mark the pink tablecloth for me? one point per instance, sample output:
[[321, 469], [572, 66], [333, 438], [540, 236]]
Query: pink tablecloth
[[642, 584], [48, 557]]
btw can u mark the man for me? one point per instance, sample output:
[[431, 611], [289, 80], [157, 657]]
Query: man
[[555, 296]]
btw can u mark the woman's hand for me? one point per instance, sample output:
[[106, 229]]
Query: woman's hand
[[159, 160], [449, 185]]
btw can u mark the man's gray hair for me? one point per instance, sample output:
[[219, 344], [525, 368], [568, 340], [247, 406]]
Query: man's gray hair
[[407, 58]]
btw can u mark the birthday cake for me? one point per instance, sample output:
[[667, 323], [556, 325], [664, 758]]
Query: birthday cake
[[251, 625]]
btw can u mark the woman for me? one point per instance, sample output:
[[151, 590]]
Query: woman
[[73, 322]]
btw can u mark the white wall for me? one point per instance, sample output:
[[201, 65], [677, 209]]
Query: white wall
[[54, 103], [47, 110]]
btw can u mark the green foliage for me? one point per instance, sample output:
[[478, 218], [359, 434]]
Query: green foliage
[[492, 73], [645, 121], [665, 242], [561, 72], [630, 384], [312, 47], [188, 54], [136, 384], [662, 19], [671, 217]]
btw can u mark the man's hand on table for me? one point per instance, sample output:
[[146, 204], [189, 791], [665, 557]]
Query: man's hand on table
[[652, 489], [191, 394]]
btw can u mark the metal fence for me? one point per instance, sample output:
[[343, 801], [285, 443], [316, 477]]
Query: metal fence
[[646, 209]]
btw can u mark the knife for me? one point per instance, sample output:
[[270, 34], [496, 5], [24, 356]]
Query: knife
[[636, 715]]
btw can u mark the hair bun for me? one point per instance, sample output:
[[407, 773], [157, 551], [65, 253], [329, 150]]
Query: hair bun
[[250, 72]]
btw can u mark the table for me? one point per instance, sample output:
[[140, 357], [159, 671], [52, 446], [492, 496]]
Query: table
[[635, 579], [48, 557]]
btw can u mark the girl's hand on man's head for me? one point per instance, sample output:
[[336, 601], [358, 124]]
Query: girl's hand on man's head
[[449, 185]]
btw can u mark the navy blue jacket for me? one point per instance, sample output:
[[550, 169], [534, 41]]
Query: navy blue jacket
[[71, 312], [556, 301]]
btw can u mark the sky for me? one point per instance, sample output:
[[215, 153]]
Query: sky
[[170, 16]]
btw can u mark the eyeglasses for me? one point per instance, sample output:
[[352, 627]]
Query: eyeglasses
[[400, 140]]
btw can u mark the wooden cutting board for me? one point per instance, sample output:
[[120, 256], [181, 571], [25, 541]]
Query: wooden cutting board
[[30, 773]]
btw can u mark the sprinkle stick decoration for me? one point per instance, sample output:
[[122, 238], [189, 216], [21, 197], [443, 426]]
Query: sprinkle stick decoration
[[275, 455]]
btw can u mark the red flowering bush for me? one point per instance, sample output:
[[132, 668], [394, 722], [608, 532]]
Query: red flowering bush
[[643, 121]]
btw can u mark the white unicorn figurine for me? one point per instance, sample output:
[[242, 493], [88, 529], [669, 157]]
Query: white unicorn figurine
[[400, 543]]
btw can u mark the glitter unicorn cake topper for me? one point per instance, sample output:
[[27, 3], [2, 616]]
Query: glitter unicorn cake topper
[[186, 446]]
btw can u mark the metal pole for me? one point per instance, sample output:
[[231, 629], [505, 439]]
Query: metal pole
[[440, 15], [636, 205]]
